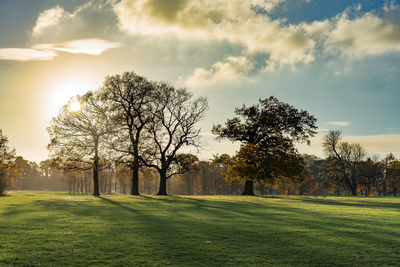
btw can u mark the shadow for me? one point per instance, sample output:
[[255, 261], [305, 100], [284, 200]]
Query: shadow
[[202, 231]]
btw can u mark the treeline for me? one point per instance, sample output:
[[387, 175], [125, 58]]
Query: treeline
[[126, 138], [374, 177]]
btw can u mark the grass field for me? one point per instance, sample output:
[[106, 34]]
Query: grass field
[[55, 229]]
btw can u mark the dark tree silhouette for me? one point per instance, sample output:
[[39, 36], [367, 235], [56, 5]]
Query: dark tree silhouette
[[128, 97], [175, 117], [76, 137], [272, 127]]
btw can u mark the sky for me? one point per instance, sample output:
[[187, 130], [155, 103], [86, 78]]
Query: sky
[[338, 59]]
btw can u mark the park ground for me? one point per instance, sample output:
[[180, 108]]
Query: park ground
[[58, 229]]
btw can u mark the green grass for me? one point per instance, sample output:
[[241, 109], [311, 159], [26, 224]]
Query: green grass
[[55, 229]]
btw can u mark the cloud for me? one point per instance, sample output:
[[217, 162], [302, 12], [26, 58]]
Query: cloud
[[92, 18], [352, 33], [87, 46], [340, 123], [48, 18], [239, 22], [230, 70], [346, 70], [25, 54], [366, 35], [49, 51]]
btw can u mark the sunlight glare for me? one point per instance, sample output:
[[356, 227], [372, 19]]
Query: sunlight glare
[[74, 106], [62, 90]]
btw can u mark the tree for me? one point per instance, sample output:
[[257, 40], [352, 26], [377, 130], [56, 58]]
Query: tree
[[173, 126], [8, 169], [394, 177], [76, 137], [270, 128], [315, 168], [347, 156], [128, 98]]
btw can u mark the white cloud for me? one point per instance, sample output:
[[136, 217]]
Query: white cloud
[[87, 46], [340, 123], [25, 54], [390, 5], [234, 21], [346, 70], [49, 51], [48, 18], [367, 35], [230, 70]]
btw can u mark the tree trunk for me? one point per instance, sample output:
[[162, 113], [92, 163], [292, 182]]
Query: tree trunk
[[353, 190], [135, 174], [248, 188], [96, 191], [384, 187], [162, 191]]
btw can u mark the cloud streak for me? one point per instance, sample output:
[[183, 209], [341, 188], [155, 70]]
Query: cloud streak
[[340, 123], [93, 47], [26, 54]]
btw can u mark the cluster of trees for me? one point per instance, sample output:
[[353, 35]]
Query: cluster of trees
[[130, 121], [141, 124], [126, 137]]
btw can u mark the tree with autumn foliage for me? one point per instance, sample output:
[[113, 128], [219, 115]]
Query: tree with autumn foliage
[[267, 132]]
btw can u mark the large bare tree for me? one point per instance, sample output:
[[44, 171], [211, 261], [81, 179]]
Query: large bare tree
[[128, 97], [174, 125], [76, 136]]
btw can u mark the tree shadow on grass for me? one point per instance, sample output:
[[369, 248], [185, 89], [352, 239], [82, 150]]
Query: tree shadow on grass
[[152, 230]]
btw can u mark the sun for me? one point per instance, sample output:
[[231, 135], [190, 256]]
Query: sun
[[74, 106]]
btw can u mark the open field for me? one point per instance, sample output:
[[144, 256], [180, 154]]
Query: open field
[[45, 228]]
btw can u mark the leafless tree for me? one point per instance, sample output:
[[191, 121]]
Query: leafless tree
[[76, 137], [128, 97], [174, 125]]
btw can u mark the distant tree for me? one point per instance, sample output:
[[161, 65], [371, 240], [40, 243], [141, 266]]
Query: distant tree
[[315, 168], [394, 177], [267, 130], [347, 156], [8, 168], [173, 126], [369, 173], [76, 137], [385, 168], [128, 97]]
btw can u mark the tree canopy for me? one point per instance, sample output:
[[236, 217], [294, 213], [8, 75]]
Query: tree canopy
[[267, 132]]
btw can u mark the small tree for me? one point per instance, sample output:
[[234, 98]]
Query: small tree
[[8, 168], [268, 130], [173, 126], [76, 136]]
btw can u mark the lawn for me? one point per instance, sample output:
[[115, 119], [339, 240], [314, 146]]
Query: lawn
[[55, 229]]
